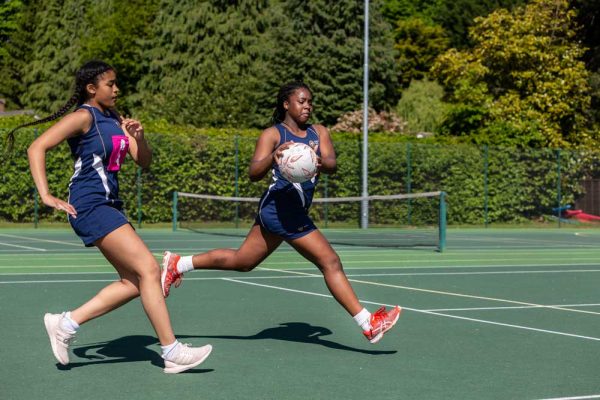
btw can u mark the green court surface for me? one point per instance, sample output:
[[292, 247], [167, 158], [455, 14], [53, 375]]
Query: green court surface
[[501, 314]]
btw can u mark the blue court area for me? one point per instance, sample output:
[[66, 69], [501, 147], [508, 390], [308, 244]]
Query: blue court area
[[501, 314]]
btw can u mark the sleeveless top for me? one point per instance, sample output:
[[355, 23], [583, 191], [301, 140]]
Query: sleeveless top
[[280, 185], [98, 155]]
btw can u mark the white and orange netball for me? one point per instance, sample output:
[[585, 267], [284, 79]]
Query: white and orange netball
[[298, 163]]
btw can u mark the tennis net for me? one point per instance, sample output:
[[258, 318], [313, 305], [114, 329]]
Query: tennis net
[[400, 220]]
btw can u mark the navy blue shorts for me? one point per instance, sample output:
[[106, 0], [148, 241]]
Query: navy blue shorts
[[283, 216], [97, 222]]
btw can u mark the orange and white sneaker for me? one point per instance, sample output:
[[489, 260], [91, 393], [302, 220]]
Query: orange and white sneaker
[[169, 274], [381, 322]]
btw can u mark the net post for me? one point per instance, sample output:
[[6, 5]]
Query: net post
[[408, 179], [36, 204], [175, 211], [237, 174], [442, 223], [485, 184], [558, 178], [138, 182]]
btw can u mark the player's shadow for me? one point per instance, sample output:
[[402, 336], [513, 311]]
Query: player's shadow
[[125, 349], [300, 332]]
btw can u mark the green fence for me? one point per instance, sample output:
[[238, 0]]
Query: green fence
[[484, 185]]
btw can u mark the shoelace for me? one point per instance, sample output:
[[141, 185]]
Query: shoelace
[[65, 338]]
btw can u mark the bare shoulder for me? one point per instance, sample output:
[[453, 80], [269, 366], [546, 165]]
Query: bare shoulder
[[270, 131], [321, 130], [80, 120]]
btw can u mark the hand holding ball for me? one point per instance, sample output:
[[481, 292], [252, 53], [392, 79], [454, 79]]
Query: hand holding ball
[[298, 163]]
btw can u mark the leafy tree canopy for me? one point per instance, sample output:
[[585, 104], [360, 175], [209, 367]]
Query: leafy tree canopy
[[523, 81]]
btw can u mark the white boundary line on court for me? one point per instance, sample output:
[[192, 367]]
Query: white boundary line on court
[[511, 307], [483, 321], [22, 247], [374, 303], [593, 396], [42, 240], [457, 294], [350, 275]]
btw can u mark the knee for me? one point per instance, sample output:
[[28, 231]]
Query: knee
[[331, 264], [148, 271]]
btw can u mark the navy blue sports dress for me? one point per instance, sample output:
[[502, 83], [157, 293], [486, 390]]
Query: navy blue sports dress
[[94, 188], [283, 208]]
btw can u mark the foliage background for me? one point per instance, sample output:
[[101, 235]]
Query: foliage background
[[518, 78]]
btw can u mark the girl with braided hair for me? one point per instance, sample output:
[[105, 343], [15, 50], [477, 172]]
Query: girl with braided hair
[[283, 214], [100, 140]]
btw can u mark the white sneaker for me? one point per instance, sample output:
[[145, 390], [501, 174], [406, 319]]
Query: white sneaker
[[186, 357], [60, 339]]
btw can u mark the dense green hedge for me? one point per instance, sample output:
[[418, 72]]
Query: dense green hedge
[[521, 184]]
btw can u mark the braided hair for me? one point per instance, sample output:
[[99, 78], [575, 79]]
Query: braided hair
[[89, 73], [284, 95]]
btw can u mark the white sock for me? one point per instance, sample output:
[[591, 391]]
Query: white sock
[[185, 264], [167, 351], [363, 319], [68, 324]]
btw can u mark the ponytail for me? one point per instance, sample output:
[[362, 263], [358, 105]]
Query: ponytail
[[88, 73]]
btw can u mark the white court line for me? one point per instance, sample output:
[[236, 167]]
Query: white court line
[[59, 281], [510, 307], [458, 294], [41, 240], [426, 312], [52, 266], [22, 247], [363, 301], [350, 275], [593, 396]]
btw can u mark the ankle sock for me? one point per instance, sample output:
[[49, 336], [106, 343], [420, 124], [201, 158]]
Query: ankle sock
[[363, 319], [67, 323], [185, 264], [167, 351]]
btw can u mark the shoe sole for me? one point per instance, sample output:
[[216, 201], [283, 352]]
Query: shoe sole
[[48, 325], [181, 368], [163, 274], [380, 334]]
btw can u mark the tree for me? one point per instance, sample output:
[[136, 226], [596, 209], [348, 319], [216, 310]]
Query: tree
[[116, 37], [54, 54], [16, 33], [418, 43], [323, 45], [206, 63], [523, 81], [454, 16], [10, 11]]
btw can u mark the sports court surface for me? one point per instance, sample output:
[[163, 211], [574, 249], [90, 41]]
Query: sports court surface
[[501, 314]]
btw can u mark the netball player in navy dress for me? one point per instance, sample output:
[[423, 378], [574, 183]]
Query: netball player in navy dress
[[283, 214], [100, 140]]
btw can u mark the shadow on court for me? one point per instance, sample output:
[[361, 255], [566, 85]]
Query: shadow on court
[[121, 350], [299, 332]]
